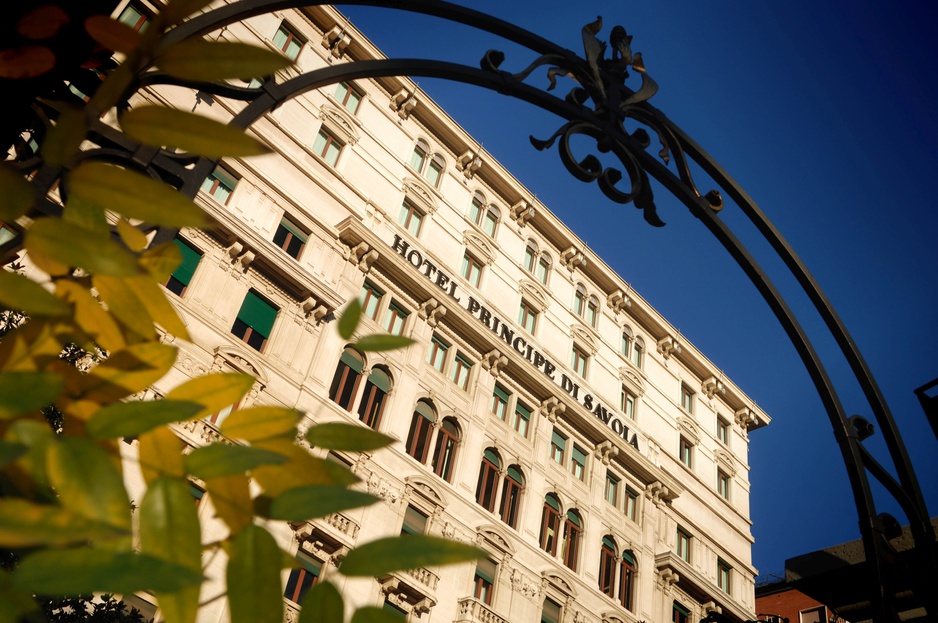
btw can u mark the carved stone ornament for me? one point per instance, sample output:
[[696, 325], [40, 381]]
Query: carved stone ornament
[[535, 294], [668, 346], [585, 338], [338, 122], [420, 194], [618, 301], [521, 213], [479, 246], [404, 102]]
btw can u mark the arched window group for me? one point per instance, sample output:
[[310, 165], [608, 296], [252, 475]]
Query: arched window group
[[430, 166], [508, 496], [427, 432], [586, 305], [486, 217], [537, 262], [559, 530], [633, 347], [616, 573], [345, 384]]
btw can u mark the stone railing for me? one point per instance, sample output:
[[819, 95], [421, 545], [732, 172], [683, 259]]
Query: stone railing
[[342, 524], [291, 612], [472, 610]]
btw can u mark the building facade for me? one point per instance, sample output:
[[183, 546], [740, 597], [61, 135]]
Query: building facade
[[546, 412]]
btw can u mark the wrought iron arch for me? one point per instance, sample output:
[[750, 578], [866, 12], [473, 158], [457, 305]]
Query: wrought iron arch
[[598, 109]]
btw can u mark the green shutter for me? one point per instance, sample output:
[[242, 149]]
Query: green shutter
[[551, 500], [608, 542], [501, 393], [293, 229], [681, 609], [380, 379], [257, 313], [190, 259], [559, 440], [493, 458], [515, 474], [426, 411], [485, 569], [628, 557], [352, 360]]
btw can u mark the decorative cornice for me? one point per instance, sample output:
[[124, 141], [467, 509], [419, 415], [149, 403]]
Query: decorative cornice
[[339, 123], [618, 301], [432, 311], [481, 247], [712, 386], [668, 346], [535, 294], [572, 257], [418, 192], [336, 40], [469, 163], [521, 212], [552, 408], [403, 103]]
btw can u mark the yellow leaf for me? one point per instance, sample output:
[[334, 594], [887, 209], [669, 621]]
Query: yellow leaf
[[302, 469], [134, 195], [31, 346], [161, 454], [170, 127], [25, 61], [135, 239], [213, 391], [161, 260], [16, 192], [128, 371], [23, 294], [86, 214], [231, 498], [25, 524], [73, 245], [158, 307], [24, 392], [65, 137], [91, 317], [124, 304], [257, 423], [198, 59], [112, 34]]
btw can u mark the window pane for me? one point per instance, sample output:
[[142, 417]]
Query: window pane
[[394, 319], [370, 297], [499, 403]]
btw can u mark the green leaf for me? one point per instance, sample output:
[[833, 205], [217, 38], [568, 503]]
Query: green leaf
[[198, 59], [64, 138], [134, 195], [82, 571], [16, 605], [25, 524], [253, 575], [372, 614], [381, 342], [16, 192], [161, 260], [10, 451], [303, 469], [73, 245], [350, 318], [189, 132], [91, 317], [135, 239], [88, 482], [231, 498], [257, 423], [131, 419], [317, 501], [153, 299], [406, 552], [322, 604], [125, 305], [169, 530], [23, 294], [220, 459], [161, 454], [213, 391], [25, 392], [349, 437], [37, 437], [128, 371]]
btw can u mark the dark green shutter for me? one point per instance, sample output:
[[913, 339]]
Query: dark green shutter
[[190, 259], [257, 313]]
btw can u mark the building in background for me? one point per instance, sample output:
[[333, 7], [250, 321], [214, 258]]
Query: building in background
[[546, 412], [781, 602]]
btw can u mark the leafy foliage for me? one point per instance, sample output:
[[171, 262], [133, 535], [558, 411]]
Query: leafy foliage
[[80, 342]]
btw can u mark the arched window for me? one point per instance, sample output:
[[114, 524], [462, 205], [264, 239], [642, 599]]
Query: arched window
[[486, 488], [347, 376], [490, 221], [592, 311], [434, 170], [638, 352], [579, 300], [430, 167], [550, 524], [572, 529], [476, 207], [376, 391], [419, 157], [627, 579], [511, 495], [607, 566], [530, 256], [626, 347], [543, 268], [421, 427], [444, 454]]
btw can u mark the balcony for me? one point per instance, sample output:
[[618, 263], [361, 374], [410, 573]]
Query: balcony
[[471, 610]]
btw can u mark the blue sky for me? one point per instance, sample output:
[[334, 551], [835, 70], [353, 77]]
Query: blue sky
[[824, 112]]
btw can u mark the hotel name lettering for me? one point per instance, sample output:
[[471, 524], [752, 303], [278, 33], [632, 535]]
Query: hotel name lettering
[[516, 342]]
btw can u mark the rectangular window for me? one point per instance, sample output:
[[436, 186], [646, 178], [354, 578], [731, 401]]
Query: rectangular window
[[255, 320], [527, 317], [687, 453], [219, 184], [302, 577], [723, 576], [578, 462], [578, 360], [484, 581], [723, 431], [395, 319], [179, 280], [134, 16], [471, 269], [436, 356], [679, 614], [287, 42], [410, 218], [348, 97], [631, 503], [6, 234], [415, 522], [723, 484], [612, 488], [558, 444], [813, 615], [687, 399], [682, 548], [327, 147], [460, 372], [627, 403], [370, 298], [290, 238], [550, 612], [499, 404], [521, 418]]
